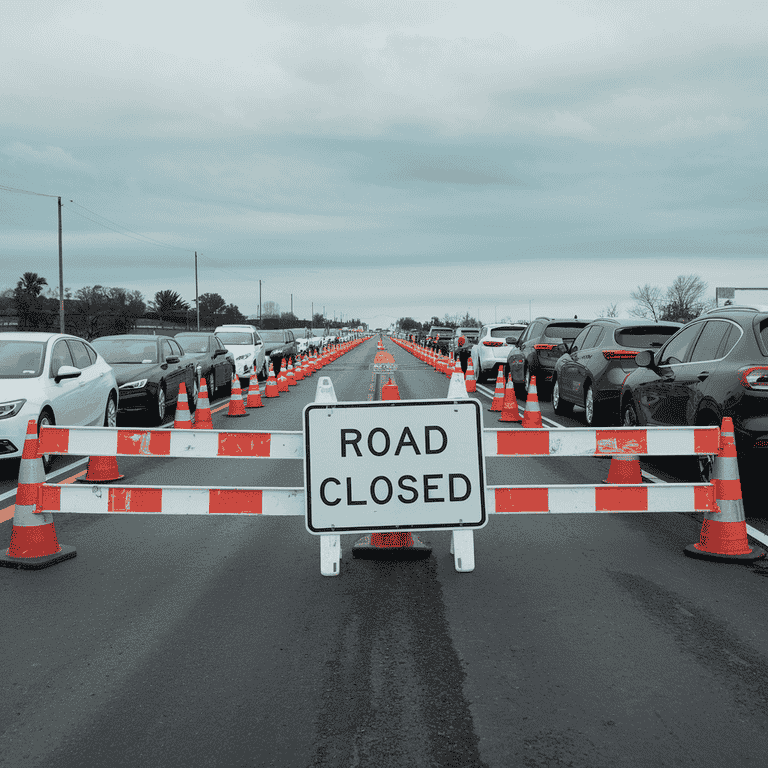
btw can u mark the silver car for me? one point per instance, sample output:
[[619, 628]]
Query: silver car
[[492, 347]]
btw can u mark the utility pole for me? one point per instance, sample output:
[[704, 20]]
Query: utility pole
[[61, 278], [291, 303], [259, 303], [197, 298]]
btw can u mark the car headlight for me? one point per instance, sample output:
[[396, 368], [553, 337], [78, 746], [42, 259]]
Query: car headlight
[[140, 384], [11, 408], [242, 357]]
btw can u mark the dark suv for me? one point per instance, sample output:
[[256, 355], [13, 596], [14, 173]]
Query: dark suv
[[715, 366], [592, 370], [538, 349]]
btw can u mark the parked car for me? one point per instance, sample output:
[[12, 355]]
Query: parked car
[[714, 366], [51, 378], [591, 371], [470, 335], [492, 348], [214, 362], [538, 349], [279, 344], [440, 338], [246, 343], [149, 370]]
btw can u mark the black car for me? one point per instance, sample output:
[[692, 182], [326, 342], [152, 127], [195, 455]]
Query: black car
[[214, 362], [715, 366], [149, 370], [537, 351], [279, 345], [591, 371]]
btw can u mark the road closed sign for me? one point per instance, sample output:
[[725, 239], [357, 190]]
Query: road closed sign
[[395, 465]]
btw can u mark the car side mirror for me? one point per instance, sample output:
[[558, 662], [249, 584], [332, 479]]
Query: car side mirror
[[172, 359], [67, 372], [644, 359], [219, 352], [510, 340]]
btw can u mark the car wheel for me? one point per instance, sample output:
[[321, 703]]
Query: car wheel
[[521, 388], [160, 406], [561, 407], [629, 416], [264, 371], [46, 420], [110, 414], [593, 412]]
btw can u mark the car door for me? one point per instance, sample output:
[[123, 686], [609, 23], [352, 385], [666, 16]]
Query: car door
[[582, 360], [93, 389], [222, 368], [703, 362], [173, 373], [664, 399], [64, 395], [569, 381]]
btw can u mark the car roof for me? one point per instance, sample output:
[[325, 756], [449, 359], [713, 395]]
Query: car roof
[[144, 336], [634, 323], [36, 336]]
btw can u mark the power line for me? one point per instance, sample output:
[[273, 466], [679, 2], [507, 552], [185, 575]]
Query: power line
[[4, 188]]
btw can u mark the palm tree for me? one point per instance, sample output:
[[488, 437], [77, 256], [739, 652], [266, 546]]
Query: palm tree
[[31, 284], [168, 303]]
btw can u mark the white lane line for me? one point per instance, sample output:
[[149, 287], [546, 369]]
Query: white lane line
[[64, 470]]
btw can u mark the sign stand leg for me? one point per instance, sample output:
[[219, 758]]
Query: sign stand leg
[[330, 555], [463, 550]]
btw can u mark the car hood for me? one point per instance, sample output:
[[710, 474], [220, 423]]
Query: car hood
[[127, 372], [19, 389]]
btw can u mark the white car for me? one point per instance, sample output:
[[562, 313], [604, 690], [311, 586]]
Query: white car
[[247, 347], [51, 378], [491, 349]]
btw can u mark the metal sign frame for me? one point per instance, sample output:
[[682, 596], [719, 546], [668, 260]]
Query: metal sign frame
[[314, 528]]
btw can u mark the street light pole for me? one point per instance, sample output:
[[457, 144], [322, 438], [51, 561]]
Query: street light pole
[[61, 278], [197, 298], [259, 302]]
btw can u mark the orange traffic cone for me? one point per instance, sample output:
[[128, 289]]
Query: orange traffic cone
[[509, 411], [33, 537], [236, 405], [389, 391], [182, 418], [624, 470], [282, 379], [532, 415], [271, 389], [290, 375], [498, 395], [450, 367], [469, 377], [203, 418], [724, 530], [298, 371], [101, 469], [254, 394]]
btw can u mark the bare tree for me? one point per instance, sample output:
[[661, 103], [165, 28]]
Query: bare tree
[[610, 311], [648, 302], [683, 299]]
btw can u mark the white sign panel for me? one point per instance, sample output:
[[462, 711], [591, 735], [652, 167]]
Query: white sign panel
[[394, 465]]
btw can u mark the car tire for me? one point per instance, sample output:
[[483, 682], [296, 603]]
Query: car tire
[[521, 388], [264, 371], [110, 412], [629, 417], [560, 406], [593, 411], [46, 419], [160, 405]]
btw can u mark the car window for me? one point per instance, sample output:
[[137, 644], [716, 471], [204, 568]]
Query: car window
[[91, 353], [729, 341], [644, 336], [535, 331], [61, 356], [177, 350], [21, 359], [124, 350], [579, 342], [79, 354], [710, 340], [257, 339], [590, 340], [165, 350], [678, 347], [194, 344], [560, 331], [235, 337]]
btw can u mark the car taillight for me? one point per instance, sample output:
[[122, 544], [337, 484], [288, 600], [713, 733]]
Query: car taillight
[[755, 377], [493, 343], [620, 354], [544, 346]]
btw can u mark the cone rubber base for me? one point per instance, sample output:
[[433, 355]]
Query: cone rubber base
[[36, 563], [755, 554], [363, 550], [100, 482]]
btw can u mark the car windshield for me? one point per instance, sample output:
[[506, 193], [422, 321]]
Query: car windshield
[[502, 333], [193, 344], [272, 336], [644, 337], [128, 351], [564, 330], [235, 337], [21, 359]]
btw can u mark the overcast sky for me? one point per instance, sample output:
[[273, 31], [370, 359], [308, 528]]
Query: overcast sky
[[383, 158]]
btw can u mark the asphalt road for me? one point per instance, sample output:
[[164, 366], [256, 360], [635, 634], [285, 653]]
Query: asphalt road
[[579, 640]]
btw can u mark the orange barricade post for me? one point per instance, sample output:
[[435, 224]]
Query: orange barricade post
[[33, 538], [724, 530]]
